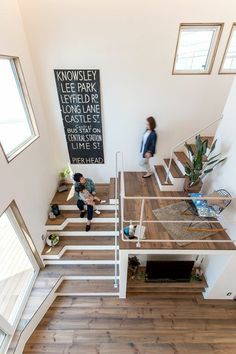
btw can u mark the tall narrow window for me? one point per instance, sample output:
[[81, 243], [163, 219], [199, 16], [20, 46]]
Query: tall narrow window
[[18, 270], [17, 124], [2, 337], [228, 65], [196, 48]]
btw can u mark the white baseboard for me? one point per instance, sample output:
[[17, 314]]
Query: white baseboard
[[80, 262]]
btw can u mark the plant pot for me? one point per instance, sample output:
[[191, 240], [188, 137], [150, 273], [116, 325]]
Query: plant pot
[[52, 240], [195, 188], [65, 180]]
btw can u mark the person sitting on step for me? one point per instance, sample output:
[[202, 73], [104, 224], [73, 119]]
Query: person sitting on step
[[89, 199], [90, 186]]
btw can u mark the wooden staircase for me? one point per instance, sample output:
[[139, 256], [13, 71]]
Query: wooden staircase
[[176, 178], [164, 290], [93, 249]]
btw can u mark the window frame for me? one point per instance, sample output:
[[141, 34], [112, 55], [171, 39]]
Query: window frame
[[227, 71], [22, 232], [26, 101], [212, 51]]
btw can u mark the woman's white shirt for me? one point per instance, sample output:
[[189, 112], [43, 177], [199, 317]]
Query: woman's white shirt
[[145, 137]]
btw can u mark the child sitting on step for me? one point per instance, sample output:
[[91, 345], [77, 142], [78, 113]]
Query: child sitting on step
[[90, 199]]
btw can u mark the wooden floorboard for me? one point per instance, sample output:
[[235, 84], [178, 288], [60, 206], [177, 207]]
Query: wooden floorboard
[[138, 324], [78, 241], [109, 226], [76, 214], [89, 255], [87, 286], [135, 185]]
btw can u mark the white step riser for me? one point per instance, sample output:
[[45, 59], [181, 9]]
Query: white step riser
[[177, 182], [79, 248], [113, 201], [80, 262], [89, 233], [100, 207], [80, 221], [179, 164], [87, 294]]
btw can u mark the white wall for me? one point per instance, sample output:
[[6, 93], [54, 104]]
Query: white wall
[[132, 43], [222, 271], [28, 179], [224, 176]]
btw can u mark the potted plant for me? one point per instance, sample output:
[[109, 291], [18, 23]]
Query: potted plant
[[65, 176], [133, 267], [200, 163], [52, 240]]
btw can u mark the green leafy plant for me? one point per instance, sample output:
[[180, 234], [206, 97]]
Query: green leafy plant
[[201, 163], [133, 267], [54, 239], [65, 173]]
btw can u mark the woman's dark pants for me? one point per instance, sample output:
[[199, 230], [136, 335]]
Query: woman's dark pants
[[81, 204]]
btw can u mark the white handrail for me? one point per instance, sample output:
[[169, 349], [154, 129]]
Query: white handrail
[[184, 141], [116, 223]]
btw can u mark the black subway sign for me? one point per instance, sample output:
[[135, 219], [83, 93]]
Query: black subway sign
[[80, 103]]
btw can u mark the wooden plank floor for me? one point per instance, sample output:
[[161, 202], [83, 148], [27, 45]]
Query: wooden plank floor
[[46, 280], [78, 241], [87, 286], [135, 185], [140, 324]]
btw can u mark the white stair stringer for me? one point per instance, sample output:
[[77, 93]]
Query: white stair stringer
[[178, 183], [179, 164]]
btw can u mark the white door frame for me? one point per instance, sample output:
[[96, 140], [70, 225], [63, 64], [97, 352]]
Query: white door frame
[[5, 326]]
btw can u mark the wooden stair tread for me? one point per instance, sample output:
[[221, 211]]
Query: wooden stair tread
[[209, 138], [76, 214], [94, 227], [87, 286], [88, 255], [182, 157], [174, 169], [69, 198], [57, 270], [161, 172], [78, 241], [112, 188]]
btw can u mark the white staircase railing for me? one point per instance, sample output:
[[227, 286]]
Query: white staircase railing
[[118, 153], [182, 142], [140, 221]]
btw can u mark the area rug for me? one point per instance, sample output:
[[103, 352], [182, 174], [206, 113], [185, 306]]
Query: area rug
[[178, 230]]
